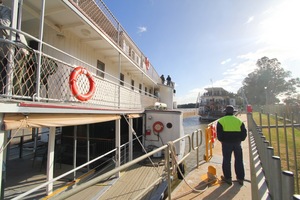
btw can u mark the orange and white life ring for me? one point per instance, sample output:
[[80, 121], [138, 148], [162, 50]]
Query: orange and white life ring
[[147, 63], [158, 126], [73, 85]]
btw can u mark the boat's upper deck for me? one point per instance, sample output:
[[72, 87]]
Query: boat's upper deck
[[49, 40]]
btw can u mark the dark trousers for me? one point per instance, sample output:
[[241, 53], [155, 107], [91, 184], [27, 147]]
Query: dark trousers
[[227, 149]]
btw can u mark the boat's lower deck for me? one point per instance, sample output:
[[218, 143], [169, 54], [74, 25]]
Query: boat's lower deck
[[24, 174]]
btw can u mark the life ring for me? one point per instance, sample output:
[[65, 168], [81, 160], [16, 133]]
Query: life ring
[[74, 88], [213, 133], [158, 126], [147, 63]]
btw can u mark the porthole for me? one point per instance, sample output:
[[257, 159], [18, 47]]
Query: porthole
[[169, 125]]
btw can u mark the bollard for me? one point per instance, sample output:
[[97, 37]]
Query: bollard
[[276, 178], [288, 183]]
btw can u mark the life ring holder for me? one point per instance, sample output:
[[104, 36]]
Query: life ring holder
[[73, 85], [158, 126]]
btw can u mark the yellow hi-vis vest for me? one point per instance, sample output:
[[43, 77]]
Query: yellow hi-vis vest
[[230, 123]]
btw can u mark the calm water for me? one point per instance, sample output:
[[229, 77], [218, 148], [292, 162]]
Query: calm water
[[190, 125]]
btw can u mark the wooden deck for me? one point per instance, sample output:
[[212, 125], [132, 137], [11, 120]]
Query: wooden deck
[[131, 183]]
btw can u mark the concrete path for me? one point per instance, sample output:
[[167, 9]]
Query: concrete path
[[198, 178]]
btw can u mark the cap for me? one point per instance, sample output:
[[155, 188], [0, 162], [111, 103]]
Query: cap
[[229, 109]]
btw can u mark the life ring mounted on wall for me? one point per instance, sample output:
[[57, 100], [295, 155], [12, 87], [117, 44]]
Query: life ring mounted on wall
[[158, 126], [73, 85]]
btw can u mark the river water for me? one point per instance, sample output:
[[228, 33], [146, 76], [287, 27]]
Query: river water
[[190, 125]]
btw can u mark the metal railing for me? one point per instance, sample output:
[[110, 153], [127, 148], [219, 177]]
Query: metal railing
[[279, 183], [19, 81], [24, 77], [194, 141]]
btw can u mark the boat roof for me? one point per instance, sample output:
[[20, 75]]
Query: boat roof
[[215, 88]]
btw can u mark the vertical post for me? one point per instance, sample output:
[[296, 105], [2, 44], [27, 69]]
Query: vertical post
[[288, 183], [277, 134], [286, 143], [260, 120], [88, 145], [118, 141], [295, 154], [197, 138], [50, 160], [269, 173], [40, 47], [130, 133], [276, 178], [168, 168], [21, 145], [75, 151], [269, 130], [2, 159]]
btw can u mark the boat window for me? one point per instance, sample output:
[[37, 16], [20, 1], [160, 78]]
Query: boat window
[[169, 125], [132, 84], [121, 79], [101, 68]]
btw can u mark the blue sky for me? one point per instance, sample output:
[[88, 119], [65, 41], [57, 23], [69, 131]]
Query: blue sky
[[205, 43]]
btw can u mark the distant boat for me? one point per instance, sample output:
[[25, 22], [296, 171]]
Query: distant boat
[[213, 102]]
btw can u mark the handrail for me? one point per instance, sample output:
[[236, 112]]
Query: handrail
[[196, 135]]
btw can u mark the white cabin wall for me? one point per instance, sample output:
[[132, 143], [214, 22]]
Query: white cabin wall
[[71, 44]]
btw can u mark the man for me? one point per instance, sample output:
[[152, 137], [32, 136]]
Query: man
[[162, 79], [231, 132], [169, 80]]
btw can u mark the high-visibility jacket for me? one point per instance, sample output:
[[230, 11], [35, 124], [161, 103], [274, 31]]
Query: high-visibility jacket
[[231, 129]]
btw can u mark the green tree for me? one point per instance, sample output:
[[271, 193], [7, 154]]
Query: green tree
[[268, 81]]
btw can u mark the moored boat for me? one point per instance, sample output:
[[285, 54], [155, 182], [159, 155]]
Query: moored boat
[[77, 91], [213, 102]]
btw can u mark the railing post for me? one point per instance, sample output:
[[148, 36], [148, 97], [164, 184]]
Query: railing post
[[270, 153], [275, 181], [168, 167], [288, 183], [269, 130], [265, 153]]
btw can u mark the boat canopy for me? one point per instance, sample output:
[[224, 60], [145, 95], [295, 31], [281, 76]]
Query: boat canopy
[[36, 120]]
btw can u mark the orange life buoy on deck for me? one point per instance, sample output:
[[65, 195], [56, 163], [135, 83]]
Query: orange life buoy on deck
[[74, 88], [158, 126]]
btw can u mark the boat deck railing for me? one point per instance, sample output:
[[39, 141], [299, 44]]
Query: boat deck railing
[[24, 79], [194, 141]]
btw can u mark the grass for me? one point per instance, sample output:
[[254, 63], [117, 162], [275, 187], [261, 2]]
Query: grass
[[285, 141]]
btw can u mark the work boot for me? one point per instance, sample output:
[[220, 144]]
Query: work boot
[[226, 180], [240, 181]]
